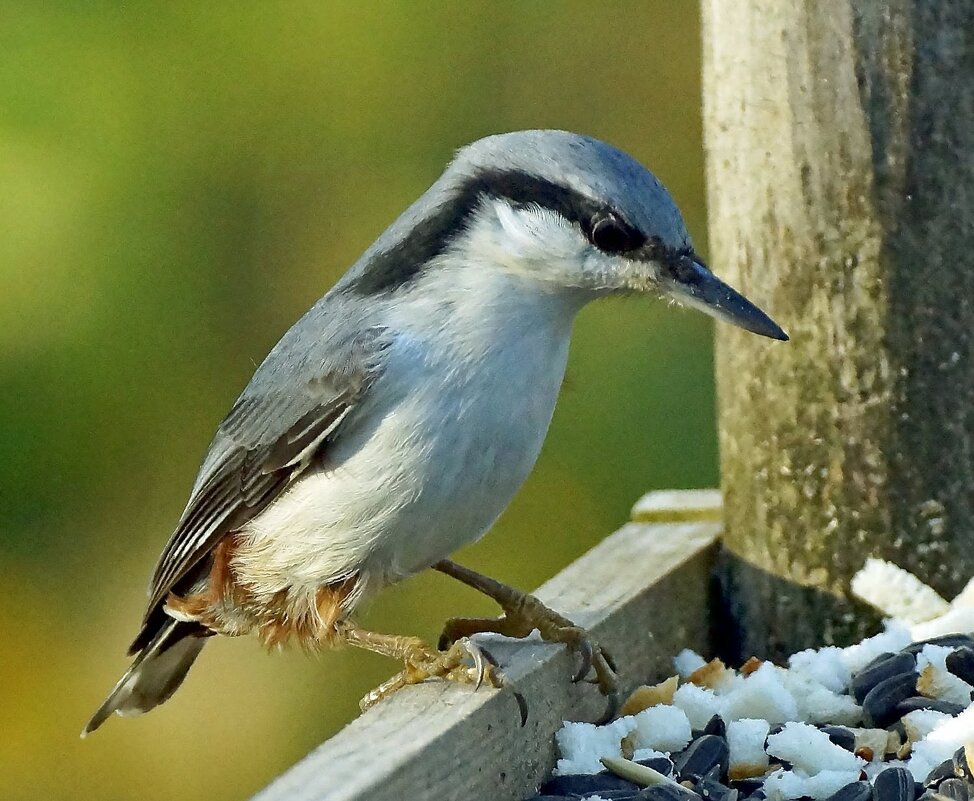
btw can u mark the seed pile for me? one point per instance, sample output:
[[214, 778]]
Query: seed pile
[[884, 720]]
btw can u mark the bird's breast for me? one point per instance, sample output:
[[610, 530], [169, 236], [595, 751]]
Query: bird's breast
[[443, 439], [470, 424]]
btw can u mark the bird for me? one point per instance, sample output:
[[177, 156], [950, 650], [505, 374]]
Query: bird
[[395, 420]]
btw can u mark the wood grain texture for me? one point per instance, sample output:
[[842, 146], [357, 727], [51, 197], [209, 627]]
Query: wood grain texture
[[840, 171], [676, 506], [643, 593]]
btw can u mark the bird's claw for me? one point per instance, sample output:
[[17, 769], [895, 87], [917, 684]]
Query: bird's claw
[[522, 704], [501, 682], [522, 615], [586, 652], [484, 663], [594, 656], [608, 682], [449, 664], [481, 660]]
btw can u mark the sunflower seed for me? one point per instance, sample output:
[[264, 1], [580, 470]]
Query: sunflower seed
[[961, 664], [702, 756], [841, 736], [922, 702], [954, 789], [894, 784], [857, 791], [880, 702], [869, 677]]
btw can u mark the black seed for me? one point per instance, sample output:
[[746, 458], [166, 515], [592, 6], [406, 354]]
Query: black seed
[[947, 640], [961, 664], [664, 792], [716, 726], [869, 677], [841, 736], [550, 798], [711, 787], [955, 789], [585, 784], [747, 786], [897, 728], [961, 767], [876, 660], [660, 764], [945, 770], [894, 784], [880, 702], [702, 756], [922, 702], [857, 791]]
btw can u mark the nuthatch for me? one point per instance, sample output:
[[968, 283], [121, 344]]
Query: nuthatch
[[396, 419]]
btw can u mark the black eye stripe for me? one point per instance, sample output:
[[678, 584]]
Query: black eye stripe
[[396, 263], [523, 189]]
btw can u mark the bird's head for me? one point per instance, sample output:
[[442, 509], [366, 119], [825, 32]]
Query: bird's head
[[565, 212]]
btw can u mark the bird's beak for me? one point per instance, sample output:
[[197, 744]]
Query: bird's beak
[[693, 285]]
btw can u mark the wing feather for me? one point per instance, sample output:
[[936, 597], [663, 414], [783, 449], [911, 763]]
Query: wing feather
[[268, 438]]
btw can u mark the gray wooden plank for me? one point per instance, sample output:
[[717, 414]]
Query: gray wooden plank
[[642, 592], [673, 506]]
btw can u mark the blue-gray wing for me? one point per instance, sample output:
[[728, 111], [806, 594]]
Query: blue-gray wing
[[290, 411]]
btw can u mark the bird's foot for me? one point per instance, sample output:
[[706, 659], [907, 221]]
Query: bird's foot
[[463, 661], [523, 613]]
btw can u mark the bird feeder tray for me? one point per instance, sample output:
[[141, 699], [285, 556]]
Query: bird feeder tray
[[438, 740]]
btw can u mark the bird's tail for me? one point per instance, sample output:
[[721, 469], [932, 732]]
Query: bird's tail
[[155, 674]]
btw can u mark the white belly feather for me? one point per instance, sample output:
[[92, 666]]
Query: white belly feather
[[445, 438]]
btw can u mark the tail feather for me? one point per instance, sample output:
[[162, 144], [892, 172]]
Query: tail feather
[[155, 674]]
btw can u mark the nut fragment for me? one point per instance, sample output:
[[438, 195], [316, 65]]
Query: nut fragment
[[646, 696], [927, 683], [745, 770], [752, 664], [872, 741], [710, 675]]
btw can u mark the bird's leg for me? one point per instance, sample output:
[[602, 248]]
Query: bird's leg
[[422, 662], [522, 614]]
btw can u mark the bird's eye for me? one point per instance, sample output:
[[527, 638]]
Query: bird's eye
[[611, 235]]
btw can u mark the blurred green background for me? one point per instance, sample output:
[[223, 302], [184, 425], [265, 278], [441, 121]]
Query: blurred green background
[[178, 182]]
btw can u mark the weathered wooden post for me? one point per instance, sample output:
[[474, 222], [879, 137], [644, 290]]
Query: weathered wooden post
[[840, 165]]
